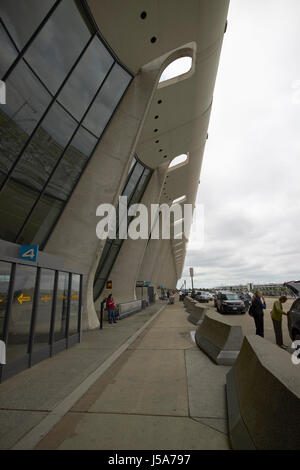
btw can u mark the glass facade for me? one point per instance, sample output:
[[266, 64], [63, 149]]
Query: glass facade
[[5, 274], [38, 308], [21, 311], [44, 309], [63, 86], [136, 184]]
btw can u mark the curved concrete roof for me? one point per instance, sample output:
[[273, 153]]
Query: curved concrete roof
[[190, 27]]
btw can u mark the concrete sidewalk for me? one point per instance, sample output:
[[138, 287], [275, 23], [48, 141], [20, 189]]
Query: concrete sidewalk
[[161, 393], [37, 396]]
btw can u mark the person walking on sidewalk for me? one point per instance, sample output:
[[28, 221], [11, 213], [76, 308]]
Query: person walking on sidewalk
[[257, 308], [276, 315], [110, 305]]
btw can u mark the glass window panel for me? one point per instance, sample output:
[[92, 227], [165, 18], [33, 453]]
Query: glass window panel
[[107, 100], [133, 180], [70, 168], [98, 287], [55, 50], [22, 17], [20, 315], [44, 309], [45, 148], [139, 189], [61, 307], [2, 178], [74, 305], [103, 256], [5, 273], [8, 51], [85, 80], [26, 101], [108, 263], [41, 221], [16, 201]]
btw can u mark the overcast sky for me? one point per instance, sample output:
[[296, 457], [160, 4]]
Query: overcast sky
[[251, 170]]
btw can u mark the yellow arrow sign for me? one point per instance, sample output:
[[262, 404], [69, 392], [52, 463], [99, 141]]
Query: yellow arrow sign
[[22, 299], [46, 298], [62, 297], [75, 297], [1, 300]]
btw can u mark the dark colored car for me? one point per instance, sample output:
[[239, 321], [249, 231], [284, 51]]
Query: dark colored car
[[229, 302], [294, 313], [246, 300], [202, 296]]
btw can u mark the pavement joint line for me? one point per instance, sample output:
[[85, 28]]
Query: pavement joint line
[[34, 436], [24, 410], [119, 413], [210, 426]]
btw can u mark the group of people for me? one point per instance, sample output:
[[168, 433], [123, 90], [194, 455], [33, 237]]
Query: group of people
[[257, 307]]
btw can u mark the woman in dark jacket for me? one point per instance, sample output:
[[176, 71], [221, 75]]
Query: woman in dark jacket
[[257, 308]]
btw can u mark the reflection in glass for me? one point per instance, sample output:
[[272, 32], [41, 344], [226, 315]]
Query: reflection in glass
[[39, 226], [2, 178], [16, 201], [56, 48], [69, 169], [44, 309], [108, 263], [134, 178], [74, 305], [26, 101], [107, 100], [22, 17], [32, 142], [84, 82], [8, 51], [46, 147], [5, 270], [20, 315], [61, 307]]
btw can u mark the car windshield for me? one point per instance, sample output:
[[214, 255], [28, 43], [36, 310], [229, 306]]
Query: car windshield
[[232, 297]]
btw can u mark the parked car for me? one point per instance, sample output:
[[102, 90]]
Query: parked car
[[294, 312], [229, 302], [246, 300], [215, 299], [202, 296]]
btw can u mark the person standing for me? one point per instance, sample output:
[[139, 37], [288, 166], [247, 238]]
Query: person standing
[[257, 308], [111, 309], [276, 315]]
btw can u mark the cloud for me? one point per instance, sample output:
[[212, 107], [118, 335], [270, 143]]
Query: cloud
[[250, 176]]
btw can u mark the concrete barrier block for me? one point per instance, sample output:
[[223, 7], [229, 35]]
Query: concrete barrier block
[[197, 313], [263, 398], [219, 338], [189, 303]]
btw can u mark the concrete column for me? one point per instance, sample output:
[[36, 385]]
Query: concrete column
[[162, 259], [127, 266], [74, 237]]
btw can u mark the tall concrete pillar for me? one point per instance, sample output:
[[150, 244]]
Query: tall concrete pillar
[[127, 266], [74, 237]]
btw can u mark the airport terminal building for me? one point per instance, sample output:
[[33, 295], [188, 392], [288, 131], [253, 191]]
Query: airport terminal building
[[86, 119]]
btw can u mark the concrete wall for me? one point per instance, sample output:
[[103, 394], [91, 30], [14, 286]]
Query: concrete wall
[[263, 396]]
